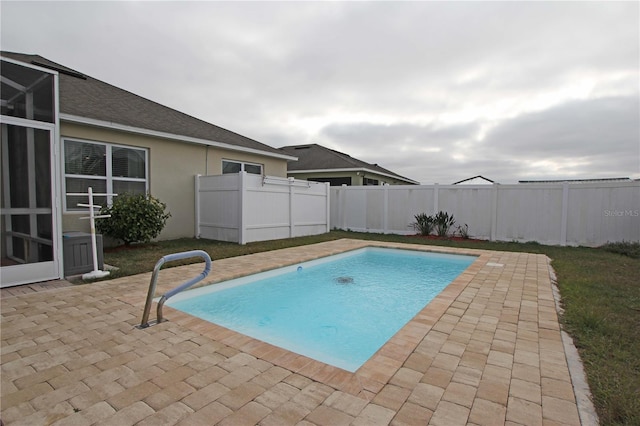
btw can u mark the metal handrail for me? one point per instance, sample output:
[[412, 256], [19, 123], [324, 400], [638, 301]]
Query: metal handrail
[[154, 280]]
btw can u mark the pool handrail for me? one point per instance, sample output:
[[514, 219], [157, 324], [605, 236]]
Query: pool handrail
[[154, 280]]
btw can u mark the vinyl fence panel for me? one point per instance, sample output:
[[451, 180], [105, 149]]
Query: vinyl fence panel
[[529, 213], [245, 207], [473, 206], [218, 207], [560, 213], [604, 212], [310, 206]]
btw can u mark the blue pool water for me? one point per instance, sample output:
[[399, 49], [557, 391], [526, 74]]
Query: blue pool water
[[338, 310]]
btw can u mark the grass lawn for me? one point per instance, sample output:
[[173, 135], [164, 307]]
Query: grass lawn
[[600, 293]]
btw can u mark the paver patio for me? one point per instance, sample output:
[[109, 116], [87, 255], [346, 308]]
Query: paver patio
[[487, 350]]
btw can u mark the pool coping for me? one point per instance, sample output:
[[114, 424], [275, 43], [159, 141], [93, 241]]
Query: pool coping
[[487, 350]]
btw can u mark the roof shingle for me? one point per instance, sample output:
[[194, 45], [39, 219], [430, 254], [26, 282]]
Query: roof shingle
[[87, 97], [318, 157]]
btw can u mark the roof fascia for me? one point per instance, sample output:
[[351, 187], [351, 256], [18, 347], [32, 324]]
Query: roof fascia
[[359, 169], [164, 135]]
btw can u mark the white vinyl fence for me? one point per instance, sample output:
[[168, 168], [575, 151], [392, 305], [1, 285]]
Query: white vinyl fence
[[589, 214], [244, 207]]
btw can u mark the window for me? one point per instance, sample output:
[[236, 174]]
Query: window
[[229, 166], [106, 168], [367, 181]]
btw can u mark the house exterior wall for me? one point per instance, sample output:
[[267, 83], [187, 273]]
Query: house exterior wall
[[172, 166], [357, 178]]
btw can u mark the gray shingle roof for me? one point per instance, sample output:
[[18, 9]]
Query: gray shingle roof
[[87, 97], [318, 157]]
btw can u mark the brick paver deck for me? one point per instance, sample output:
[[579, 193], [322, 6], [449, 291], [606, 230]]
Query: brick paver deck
[[487, 350]]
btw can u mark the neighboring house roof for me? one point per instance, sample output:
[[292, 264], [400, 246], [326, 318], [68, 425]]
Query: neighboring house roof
[[314, 158], [86, 100], [468, 180], [619, 179]]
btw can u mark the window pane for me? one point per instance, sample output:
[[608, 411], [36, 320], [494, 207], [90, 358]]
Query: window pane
[[80, 185], [128, 162], [367, 181], [255, 169], [231, 167], [122, 186], [81, 158]]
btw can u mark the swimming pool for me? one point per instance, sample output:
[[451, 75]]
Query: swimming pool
[[339, 310]]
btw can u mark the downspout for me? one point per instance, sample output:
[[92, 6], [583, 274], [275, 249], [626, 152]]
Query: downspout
[[206, 161]]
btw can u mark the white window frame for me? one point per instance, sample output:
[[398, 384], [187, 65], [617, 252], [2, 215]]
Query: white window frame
[[108, 174], [242, 165]]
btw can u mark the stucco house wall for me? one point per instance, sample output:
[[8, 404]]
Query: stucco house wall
[[172, 167]]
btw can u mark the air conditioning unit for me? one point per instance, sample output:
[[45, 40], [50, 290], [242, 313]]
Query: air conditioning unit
[[77, 253]]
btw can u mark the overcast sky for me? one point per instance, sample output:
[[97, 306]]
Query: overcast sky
[[434, 91]]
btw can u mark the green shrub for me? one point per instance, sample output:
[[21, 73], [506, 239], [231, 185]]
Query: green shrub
[[134, 218], [463, 231], [625, 248], [423, 224], [443, 222]]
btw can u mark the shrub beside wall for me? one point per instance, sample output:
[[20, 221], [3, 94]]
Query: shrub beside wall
[[134, 218]]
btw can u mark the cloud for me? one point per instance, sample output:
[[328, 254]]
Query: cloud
[[592, 138], [436, 91], [582, 128], [368, 138]]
